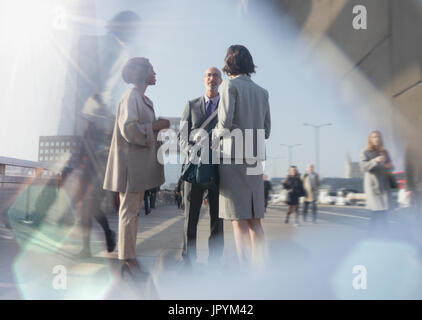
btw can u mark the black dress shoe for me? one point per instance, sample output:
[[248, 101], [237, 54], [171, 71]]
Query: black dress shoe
[[111, 241]]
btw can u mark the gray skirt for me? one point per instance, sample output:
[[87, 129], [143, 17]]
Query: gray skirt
[[241, 195]]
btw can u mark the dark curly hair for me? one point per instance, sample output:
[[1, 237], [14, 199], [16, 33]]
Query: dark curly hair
[[238, 61]]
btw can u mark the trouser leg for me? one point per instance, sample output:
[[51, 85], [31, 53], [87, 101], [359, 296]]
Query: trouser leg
[[193, 203], [130, 204], [314, 211], [99, 215], [297, 213], [289, 210], [146, 202], [305, 210], [153, 199], [216, 238]]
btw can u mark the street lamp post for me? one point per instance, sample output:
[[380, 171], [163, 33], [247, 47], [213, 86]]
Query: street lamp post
[[316, 127], [274, 163], [290, 150]]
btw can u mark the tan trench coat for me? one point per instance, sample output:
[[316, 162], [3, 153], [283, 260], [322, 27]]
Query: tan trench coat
[[132, 164], [311, 194]]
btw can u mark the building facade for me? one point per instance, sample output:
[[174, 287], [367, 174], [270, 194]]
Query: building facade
[[352, 169], [60, 150]]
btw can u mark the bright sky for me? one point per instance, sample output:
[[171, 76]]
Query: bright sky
[[182, 38]]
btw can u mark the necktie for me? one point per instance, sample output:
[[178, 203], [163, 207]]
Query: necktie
[[209, 109]]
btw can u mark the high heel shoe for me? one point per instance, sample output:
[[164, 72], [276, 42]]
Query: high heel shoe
[[134, 273], [124, 269]]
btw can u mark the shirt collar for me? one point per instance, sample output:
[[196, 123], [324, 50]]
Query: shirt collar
[[214, 100]]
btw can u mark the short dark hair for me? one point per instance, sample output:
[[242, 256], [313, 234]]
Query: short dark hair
[[238, 61]]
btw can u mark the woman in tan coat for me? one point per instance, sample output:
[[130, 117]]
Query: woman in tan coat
[[132, 165]]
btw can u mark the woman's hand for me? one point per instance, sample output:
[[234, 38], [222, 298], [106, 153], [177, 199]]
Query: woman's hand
[[160, 124], [380, 159]]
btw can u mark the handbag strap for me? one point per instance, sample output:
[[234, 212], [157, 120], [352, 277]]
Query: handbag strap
[[209, 119], [203, 125]]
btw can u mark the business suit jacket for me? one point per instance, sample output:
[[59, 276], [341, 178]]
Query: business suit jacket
[[132, 164], [193, 117], [243, 105]]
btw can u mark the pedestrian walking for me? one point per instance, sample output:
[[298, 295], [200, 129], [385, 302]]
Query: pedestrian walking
[[377, 166], [311, 185], [294, 185], [267, 189]]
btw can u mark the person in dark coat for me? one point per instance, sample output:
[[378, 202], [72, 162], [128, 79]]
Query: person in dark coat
[[150, 197], [294, 185]]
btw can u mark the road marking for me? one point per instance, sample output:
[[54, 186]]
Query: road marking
[[159, 228], [343, 215]]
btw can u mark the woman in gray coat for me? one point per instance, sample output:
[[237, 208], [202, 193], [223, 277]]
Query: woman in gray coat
[[132, 165], [244, 109], [376, 164]]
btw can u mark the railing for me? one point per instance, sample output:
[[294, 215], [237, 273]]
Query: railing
[[11, 186]]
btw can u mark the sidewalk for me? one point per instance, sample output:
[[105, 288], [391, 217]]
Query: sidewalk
[[304, 262]]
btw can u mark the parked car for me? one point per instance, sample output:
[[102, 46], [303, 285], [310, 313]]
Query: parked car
[[403, 199], [327, 197]]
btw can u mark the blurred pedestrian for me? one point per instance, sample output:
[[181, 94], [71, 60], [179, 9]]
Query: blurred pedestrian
[[150, 197], [413, 172], [293, 185], [178, 193], [153, 197], [377, 166], [311, 185], [92, 78], [267, 189], [147, 207]]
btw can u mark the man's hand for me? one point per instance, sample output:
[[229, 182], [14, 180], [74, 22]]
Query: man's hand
[[160, 124]]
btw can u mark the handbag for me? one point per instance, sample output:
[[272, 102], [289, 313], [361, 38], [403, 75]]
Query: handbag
[[203, 174]]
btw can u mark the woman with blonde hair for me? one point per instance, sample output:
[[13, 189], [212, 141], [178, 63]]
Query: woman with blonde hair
[[132, 165], [376, 164]]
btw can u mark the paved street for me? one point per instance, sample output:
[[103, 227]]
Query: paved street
[[312, 261]]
